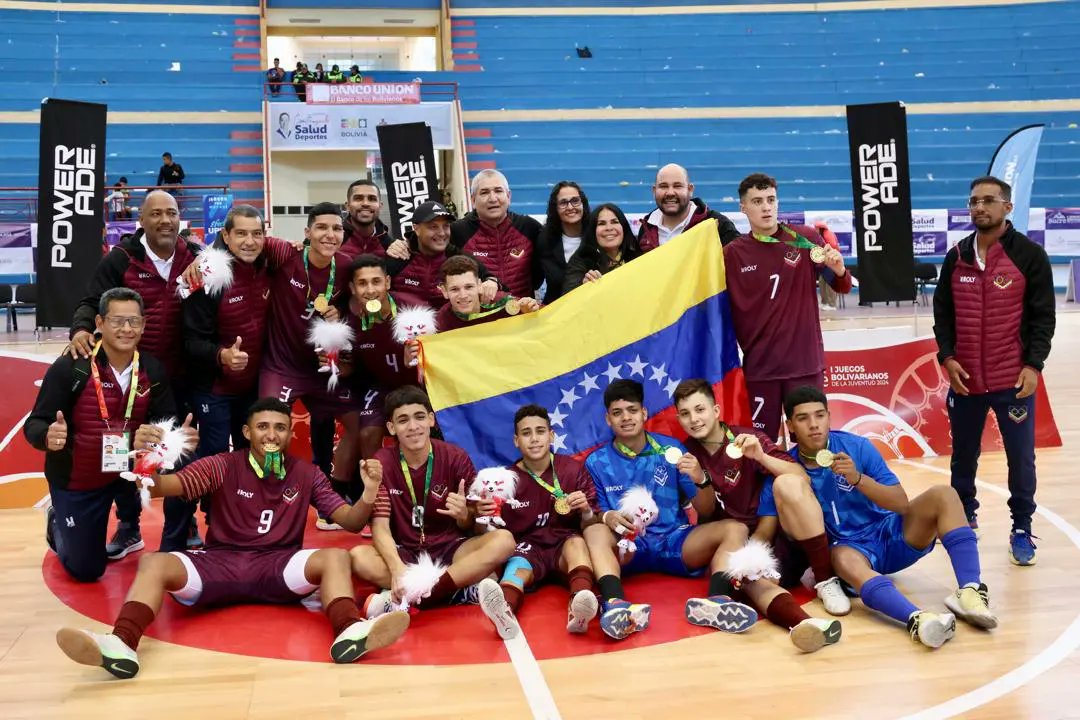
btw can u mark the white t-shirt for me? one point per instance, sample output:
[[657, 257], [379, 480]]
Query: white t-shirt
[[123, 377], [164, 267], [570, 244], [656, 217]]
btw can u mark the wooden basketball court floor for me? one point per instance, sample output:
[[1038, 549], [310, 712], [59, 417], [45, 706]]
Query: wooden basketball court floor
[[453, 665]]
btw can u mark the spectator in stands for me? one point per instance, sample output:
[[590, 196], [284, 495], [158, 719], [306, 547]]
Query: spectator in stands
[[275, 76], [299, 81], [171, 175], [319, 76], [117, 201], [677, 210], [504, 241], [335, 75], [354, 74], [608, 243], [567, 211]]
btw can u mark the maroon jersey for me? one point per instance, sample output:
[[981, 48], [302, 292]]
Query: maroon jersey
[[536, 521], [451, 466], [251, 512], [446, 319], [737, 482], [772, 288], [379, 355], [287, 349]]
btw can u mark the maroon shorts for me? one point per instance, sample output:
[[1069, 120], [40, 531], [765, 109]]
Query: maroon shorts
[[233, 577], [370, 407], [319, 401], [767, 400], [442, 552], [543, 558]]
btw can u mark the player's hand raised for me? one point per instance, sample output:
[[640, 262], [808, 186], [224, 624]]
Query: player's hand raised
[[750, 446], [578, 501], [56, 437], [844, 465], [688, 465], [456, 505], [331, 314], [233, 358], [371, 472], [834, 260]]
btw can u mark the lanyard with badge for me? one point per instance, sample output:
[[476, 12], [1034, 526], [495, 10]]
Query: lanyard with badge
[[418, 508], [115, 448], [817, 253], [562, 505]]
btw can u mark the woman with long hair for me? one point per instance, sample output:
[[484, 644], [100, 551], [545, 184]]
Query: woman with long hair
[[608, 243], [568, 207]]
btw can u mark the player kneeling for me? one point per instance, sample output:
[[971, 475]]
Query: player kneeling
[[875, 530], [253, 550]]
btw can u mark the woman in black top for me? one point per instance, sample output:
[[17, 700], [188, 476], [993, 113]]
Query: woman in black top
[[607, 244]]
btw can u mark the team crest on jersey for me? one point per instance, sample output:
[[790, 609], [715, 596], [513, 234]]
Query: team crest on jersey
[[142, 391], [660, 475], [1018, 413], [842, 484], [439, 491], [792, 256], [517, 253], [290, 494], [731, 477], [1002, 281]]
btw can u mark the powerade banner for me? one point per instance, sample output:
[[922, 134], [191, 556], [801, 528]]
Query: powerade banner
[[881, 185], [1014, 162], [409, 168], [294, 126], [71, 178], [215, 208]]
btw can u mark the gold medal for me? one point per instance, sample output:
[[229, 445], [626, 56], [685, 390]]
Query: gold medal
[[271, 448], [513, 307], [817, 254], [562, 505], [373, 306], [321, 304], [733, 451], [824, 458]]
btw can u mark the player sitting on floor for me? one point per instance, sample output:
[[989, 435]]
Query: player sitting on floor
[[736, 461], [253, 550], [875, 530], [556, 499], [636, 464], [420, 519]]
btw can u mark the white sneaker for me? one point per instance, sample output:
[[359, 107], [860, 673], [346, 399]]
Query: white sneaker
[[378, 604], [812, 634], [364, 636], [583, 608], [930, 629], [107, 651], [971, 604], [832, 596], [498, 611]]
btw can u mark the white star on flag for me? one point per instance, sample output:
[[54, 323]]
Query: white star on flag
[[589, 383], [558, 442], [671, 385], [637, 367], [569, 397], [612, 372], [557, 418], [659, 373]]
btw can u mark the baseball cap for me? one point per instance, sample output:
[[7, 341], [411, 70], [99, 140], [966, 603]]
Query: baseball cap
[[428, 211]]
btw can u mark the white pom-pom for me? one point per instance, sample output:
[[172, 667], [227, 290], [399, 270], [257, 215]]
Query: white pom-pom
[[419, 578], [493, 482], [330, 336], [638, 503], [215, 264], [413, 322], [175, 444], [753, 561]]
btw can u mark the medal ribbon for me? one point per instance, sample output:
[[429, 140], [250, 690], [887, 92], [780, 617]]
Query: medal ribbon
[[486, 310], [653, 449], [273, 464], [812, 458], [799, 241], [368, 320], [132, 387], [330, 283], [555, 489]]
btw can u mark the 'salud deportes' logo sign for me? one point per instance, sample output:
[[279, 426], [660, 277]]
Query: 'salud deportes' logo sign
[[311, 127]]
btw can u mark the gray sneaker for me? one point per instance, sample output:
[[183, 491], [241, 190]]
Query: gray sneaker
[[124, 541]]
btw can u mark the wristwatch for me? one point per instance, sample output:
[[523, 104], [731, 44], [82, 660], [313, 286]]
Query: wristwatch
[[706, 482]]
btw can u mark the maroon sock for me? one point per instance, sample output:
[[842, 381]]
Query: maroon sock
[[514, 595], [785, 612], [444, 588], [580, 578], [342, 612], [132, 622], [362, 589], [817, 551]]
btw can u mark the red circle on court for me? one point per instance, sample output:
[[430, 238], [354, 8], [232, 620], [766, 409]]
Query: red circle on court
[[443, 636]]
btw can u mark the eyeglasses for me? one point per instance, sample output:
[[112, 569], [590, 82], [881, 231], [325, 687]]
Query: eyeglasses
[[570, 202], [985, 202], [116, 323]]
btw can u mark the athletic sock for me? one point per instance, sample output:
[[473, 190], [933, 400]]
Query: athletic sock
[[580, 578], [444, 588], [513, 594], [611, 588], [342, 612], [720, 584], [817, 552], [132, 622], [880, 594], [785, 612], [963, 549]]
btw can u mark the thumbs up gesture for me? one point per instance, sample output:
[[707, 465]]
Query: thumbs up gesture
[[233, 358], [56, 437]]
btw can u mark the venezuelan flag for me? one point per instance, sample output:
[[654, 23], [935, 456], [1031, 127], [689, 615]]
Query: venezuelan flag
[[660, 319]]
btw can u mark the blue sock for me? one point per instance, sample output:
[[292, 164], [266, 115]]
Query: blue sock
[[881, 594], [963, 551]]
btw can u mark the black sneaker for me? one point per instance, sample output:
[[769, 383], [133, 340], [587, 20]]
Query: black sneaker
[[50, 519], [124, 541]]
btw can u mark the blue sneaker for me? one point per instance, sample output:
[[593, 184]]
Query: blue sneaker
[[621, 618], [1021, 548], [720, 612], [469, 595]]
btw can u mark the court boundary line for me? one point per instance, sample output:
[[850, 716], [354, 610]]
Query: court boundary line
[[1053, 654], [531, 677]]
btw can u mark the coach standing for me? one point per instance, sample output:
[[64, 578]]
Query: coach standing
[[994, 320]]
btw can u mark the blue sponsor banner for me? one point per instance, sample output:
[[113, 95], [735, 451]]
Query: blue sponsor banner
[[215, 208], [1014, 162]]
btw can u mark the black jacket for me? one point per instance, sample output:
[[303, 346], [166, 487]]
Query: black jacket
[[170, 174]]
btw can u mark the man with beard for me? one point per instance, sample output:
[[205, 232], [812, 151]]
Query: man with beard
[[994, 320], [677, 211], [149, 262], [365, 233]]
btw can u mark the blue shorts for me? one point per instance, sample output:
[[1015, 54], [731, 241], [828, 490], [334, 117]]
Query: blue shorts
[[884, 546], [662, 554]]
